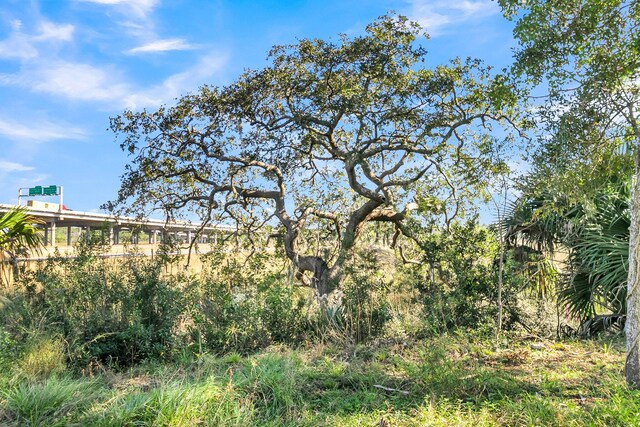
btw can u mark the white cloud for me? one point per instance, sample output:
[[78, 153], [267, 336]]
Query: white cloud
[[25, 180], [7, 166], [38, 130], [20, 45], [51, 31], [138, 30], [141, 8], [32, 179], [85, 82], [179, 83], [16, 175], [162, 46], [16, 24], [17, 47], [69, 79], [436, 15]]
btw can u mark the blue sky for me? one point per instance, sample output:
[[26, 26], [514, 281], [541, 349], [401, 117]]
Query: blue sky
[[67, 66]]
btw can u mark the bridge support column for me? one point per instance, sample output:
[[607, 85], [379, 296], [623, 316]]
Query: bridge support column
[[53, 234]]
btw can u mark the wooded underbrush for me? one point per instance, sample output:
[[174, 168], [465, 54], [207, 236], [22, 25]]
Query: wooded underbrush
[[125, 342], [119, 313]]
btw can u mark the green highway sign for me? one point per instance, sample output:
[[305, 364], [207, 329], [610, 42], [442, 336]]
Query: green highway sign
[[39, 190], [35, 191], [51, 190]]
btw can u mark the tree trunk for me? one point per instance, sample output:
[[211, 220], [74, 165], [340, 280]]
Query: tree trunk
[[318, 267], [632, 324], [500, 272], [325, 280]]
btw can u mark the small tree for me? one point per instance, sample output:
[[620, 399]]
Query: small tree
[[330, 135]]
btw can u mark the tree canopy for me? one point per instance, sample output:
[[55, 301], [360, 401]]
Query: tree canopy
[[330, 135], [588, 53], [584, 55]]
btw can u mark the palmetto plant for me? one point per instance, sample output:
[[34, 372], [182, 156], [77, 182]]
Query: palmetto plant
[[599, 259], [596, 236], [18, 231], [18, 234], [531, 222]]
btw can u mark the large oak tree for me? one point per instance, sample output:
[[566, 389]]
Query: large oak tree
[[331, 135]]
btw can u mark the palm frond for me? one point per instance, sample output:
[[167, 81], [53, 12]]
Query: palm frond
[[596, 234], [18, 231]]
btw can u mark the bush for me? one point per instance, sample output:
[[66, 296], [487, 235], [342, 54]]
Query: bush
[[117, 312], [457, 282], [8, 350], [360, 310], [120, 312], [242, 310]]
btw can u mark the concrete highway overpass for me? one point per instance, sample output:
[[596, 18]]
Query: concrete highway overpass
[[61, 229]]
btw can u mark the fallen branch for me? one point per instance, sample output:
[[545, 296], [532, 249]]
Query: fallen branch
[[381, 387]]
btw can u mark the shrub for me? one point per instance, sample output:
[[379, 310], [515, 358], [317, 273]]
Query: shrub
[[117, 312], [247, 314], [8, 350], [360, 310], [457, 282]]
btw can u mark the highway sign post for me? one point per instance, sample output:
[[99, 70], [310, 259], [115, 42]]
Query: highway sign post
[[39, 190]]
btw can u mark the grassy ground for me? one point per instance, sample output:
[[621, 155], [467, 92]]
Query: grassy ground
[[449, 381]]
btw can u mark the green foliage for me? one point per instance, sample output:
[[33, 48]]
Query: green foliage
[[588, 51], [449, 380], [275, 381], [362, 310], [8, 349], [600, 259], [92, 243], [18, 232], [18, 235], [175, 404], [245, 314], [121, 312], [458, 284], [596, 236], [47, 403], [109, 312], [576, 39], [41, 357]]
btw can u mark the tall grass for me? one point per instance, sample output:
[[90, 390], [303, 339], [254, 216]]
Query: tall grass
[[49, 403], [448, 381]]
